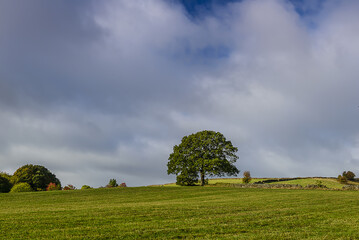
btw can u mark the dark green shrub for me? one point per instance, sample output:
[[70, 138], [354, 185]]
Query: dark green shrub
[[21, 187], [5, 185], [112, 183], [38, 177], [246, 177], [86, 187], [349, 175]]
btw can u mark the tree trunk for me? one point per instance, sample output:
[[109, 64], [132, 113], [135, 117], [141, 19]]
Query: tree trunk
[[202, 177]]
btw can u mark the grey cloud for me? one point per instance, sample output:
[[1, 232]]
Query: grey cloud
[[101, 90]]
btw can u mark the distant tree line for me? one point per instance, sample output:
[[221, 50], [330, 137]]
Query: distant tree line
[[30, 178]]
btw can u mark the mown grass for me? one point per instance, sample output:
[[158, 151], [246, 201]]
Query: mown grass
[[220, 180], [328, 182], [233, 180], [177, 213]]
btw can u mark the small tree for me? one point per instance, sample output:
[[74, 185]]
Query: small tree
[[112, 183], [246, 177], [86, 187], [342, 179], [349, 175]]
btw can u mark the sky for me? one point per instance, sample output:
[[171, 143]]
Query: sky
[[95, 90]]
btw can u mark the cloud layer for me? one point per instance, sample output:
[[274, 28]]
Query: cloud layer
[[102, 90]]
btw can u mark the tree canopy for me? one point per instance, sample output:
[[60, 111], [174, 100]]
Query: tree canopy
[[38, 177], [205, 153]]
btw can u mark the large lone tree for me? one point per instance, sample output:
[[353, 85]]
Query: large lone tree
[[205, 153]]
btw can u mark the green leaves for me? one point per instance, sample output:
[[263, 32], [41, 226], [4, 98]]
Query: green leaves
[[203, 153]]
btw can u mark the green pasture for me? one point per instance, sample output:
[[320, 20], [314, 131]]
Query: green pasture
[[233, 180], [328, 182], [180, 212], [221, 180]]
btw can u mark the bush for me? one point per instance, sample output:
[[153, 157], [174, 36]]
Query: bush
[[349, 175], [69, 187], [112, 183], [86, 187], [5, 185], [342, 179], [246, 177], [123, 185], [52, 187], [38, 177], [21, 187]]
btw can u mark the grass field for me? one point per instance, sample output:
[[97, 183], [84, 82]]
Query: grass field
[[329, 182], [177, 213], [220, 180]]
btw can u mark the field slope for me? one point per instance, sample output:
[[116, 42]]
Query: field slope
[[176, 213], [328, 182]]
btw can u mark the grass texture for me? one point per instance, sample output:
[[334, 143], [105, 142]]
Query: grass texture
[[328, 182], [180, 213]]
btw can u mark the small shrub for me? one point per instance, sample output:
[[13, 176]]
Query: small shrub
[[112, 183], [52, 187], [246, 177], [342, 179], [349, 175], [69, 187], [123, 185], [21, 187], [86, 187]]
